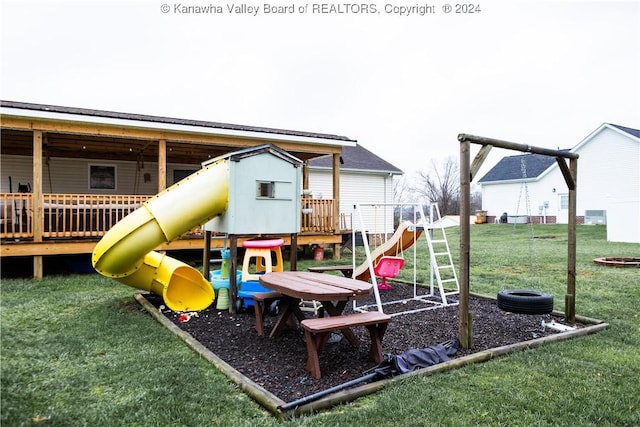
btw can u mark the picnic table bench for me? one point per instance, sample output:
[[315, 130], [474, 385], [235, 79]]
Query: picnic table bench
[[318, 330]]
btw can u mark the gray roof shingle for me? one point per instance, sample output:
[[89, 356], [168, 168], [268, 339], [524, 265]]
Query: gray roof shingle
[[357, 158], [510, 168], [630, 131], [166, 120]]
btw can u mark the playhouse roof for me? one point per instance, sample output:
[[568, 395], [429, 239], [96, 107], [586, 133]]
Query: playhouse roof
[[260, 149]]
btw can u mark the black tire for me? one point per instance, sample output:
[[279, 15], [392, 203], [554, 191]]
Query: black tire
[[525, 301]]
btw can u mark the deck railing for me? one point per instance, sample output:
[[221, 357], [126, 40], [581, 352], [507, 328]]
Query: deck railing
[[67, 216], [15, 215], [85, 215], [317, 216]]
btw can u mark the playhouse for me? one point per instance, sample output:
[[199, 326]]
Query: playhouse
[[264, 188], [255, 191], [265, 184]]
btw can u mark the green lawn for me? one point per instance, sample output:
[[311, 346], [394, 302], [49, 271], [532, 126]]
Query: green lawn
[[79, 350]]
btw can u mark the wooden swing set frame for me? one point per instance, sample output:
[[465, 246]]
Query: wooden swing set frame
[[468, 171]]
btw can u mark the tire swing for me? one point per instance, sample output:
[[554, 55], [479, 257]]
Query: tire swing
[[525, 301]]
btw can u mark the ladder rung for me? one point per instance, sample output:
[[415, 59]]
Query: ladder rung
[[448, 280], [440, 253], [442, 267], [438, 241]]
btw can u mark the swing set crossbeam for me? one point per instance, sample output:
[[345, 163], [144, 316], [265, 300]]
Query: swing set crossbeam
[[463, 137]]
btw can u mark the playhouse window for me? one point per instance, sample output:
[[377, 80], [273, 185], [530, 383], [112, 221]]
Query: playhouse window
[[266, 189]]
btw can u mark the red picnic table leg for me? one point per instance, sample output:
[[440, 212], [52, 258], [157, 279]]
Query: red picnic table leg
[[291, 307]]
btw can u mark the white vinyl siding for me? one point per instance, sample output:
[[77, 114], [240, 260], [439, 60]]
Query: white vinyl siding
[[358, 188], [608, 170], [71, 176], [512, 197]]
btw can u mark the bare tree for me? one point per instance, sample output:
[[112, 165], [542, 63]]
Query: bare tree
[[401, 190], [441, 184], [475, 200]]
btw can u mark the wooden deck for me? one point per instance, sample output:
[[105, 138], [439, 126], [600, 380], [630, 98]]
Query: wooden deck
[[73, 223]]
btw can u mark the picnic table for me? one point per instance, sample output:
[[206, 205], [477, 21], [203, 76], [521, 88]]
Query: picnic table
[[333, 292]]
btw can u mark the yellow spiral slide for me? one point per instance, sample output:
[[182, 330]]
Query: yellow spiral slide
[[126, 252]]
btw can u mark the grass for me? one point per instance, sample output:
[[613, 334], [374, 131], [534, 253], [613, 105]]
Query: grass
[[78, 350]]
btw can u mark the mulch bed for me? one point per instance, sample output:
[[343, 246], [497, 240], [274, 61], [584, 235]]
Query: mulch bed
[[278, 364]]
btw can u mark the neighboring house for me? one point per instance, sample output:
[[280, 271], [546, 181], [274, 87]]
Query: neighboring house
[[364, 179], [608, 184]]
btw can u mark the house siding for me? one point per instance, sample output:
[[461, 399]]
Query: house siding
[[608, 170], [513, 198], [19, 169], [71, 176], [613, 183], [358, 188]]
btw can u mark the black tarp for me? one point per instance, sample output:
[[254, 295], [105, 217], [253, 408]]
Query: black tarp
[[392, 365], [417, 358]]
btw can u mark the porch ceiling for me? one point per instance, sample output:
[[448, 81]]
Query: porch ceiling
[[100, 147]]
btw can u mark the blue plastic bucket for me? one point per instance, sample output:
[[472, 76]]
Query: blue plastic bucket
[[246, 291]]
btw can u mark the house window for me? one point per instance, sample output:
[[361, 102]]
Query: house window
[[564, 201], [102, 177]]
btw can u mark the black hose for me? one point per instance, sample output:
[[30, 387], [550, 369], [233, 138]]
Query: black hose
[[323, 393]]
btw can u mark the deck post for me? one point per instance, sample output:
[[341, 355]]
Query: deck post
[[305, 175], [162, 165], [336, 200], [37, 216]]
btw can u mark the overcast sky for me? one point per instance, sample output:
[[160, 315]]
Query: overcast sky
[[544, 73]]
